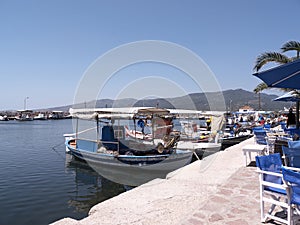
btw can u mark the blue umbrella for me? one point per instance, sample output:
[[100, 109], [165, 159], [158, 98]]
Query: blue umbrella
[[292, 96], [284, 76]]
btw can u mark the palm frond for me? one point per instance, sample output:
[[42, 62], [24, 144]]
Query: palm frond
[[267, 57], [260, 87], [286, 89], [291, 45]]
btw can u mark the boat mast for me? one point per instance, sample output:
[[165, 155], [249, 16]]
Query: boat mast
[[134, 127], [152, 124], [97, 122]]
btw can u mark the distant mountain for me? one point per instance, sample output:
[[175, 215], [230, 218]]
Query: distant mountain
[[234, 99]]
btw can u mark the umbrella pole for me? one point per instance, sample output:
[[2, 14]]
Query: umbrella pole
[[297, 115]]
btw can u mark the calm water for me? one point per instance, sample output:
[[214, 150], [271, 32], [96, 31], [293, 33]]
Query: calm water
[[39, 184]]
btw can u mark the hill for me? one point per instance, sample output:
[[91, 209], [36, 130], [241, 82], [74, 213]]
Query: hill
[[234, 99]]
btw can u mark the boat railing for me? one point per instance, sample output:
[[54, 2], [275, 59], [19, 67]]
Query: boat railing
[[80, 132]]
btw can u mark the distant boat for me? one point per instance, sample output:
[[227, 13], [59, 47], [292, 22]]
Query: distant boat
[[24, 115], [4, 118], [40, 116], [59, 115], [228, 141], [126, 161]]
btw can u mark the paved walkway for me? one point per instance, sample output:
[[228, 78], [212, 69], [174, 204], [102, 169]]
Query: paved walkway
[[234, 203], [219, 190]]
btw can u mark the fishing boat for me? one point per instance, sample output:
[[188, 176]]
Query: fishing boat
[[57, 115], [126, 160], [24, 115], [188, 124], [4, 118], [197, 136], [40, 116], [231, 140], [234, 135]]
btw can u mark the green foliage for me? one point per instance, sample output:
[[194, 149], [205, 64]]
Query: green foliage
[[290, 46], [267, 57], [260, 87], [277, 57]]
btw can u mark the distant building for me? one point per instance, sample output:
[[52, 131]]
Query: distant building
[[246, 109]]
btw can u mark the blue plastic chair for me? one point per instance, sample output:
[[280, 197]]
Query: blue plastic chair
[[292, 181], [267, 126], [257, 128], [292, 131], [294, 144], [283, 125], [291, 156], [271, 185], [260, 137]]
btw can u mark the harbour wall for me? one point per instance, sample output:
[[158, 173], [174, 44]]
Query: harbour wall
[[172, 200]]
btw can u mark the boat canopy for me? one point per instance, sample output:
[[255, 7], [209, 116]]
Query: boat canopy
[[217, 117], [25, 111], [116, 113]]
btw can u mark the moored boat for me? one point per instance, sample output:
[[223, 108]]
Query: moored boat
[[228, 141], [194, 136], [4, 118], [24, 115], [40, 116], [124, 160]]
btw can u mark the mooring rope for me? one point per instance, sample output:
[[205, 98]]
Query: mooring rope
[[55, 150]]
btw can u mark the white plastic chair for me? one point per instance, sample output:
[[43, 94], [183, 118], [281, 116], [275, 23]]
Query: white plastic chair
[[270, 144], [272, 189]]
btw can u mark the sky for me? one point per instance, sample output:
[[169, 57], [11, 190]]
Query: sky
[[47, 47]]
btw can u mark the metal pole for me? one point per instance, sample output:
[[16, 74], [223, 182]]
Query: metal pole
[[97, 122], [297, 115], [76, 137], [25, 102], [152, 128]]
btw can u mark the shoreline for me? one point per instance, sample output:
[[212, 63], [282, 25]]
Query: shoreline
[[179, 197]]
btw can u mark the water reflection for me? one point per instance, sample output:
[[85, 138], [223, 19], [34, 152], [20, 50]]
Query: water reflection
[[90, 188]]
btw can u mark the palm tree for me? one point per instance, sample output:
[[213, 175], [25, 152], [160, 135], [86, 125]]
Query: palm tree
[[292, 46], [276, 57], [259, 88]]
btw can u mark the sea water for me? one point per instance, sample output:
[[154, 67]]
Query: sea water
[[39, 183]]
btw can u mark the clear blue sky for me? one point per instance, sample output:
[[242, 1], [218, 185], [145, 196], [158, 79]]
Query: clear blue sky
[[46, 46]]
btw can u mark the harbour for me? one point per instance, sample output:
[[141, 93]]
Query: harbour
[[70, 188], [39, 184], [149, 112], [62, 185]]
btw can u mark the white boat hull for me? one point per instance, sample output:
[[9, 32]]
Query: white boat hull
[[132, 170]]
